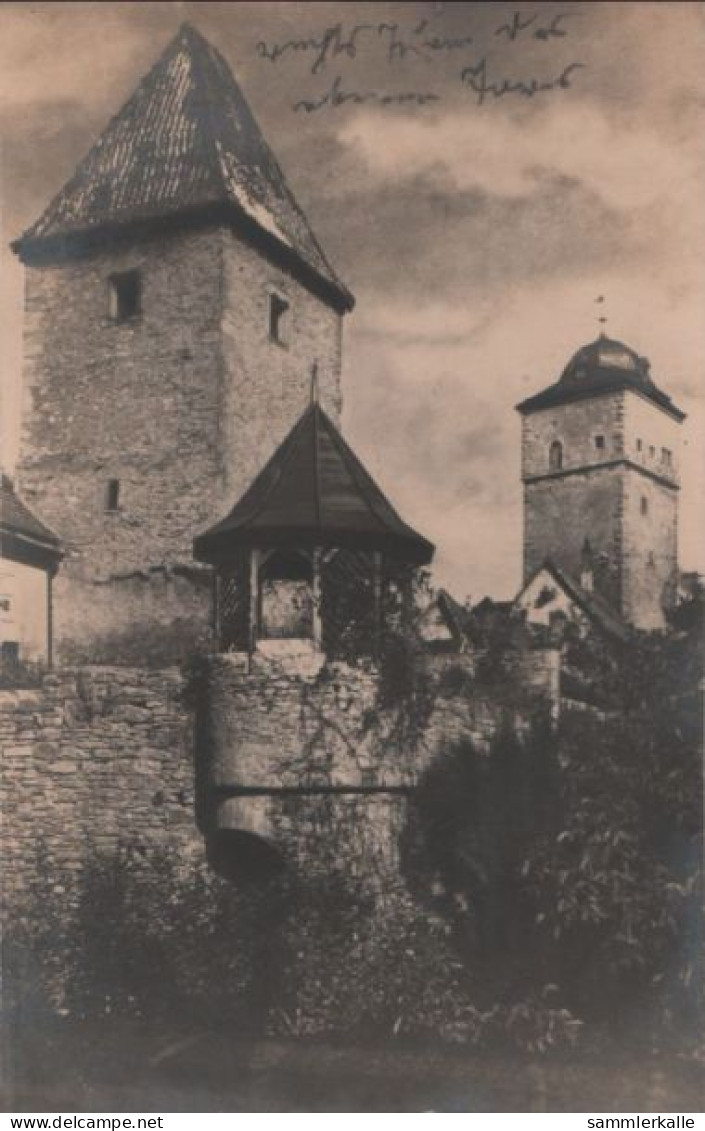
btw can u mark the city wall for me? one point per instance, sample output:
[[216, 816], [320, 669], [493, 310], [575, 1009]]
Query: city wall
[[95, 758]]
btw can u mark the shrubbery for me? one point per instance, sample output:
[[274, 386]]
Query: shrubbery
[[572, 859], [305, 957], [20, 675], [550, 890]]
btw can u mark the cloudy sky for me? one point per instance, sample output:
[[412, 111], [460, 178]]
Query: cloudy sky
[[475, 232]]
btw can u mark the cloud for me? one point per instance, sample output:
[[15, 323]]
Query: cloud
[[106, 38], [475, 239], [430, 393], [416, 237], [626, 167]]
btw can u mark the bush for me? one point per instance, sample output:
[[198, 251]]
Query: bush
[[143, 938], [17, 674], [555, 878], [305, 956], [574, 858]]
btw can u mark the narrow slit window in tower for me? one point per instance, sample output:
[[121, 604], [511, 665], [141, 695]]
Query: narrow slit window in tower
[[125, 296], [644, 505], [112, 495], [600, 443]]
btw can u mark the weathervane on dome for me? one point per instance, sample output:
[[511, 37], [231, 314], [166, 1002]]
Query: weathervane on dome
[[602, 317]]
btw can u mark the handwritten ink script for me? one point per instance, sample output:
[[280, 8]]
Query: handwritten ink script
[[476, 60], [336, 96], [476, 77]]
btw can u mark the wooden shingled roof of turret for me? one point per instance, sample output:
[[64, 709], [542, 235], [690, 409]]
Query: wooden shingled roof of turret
[[314, 491], [185, 141]]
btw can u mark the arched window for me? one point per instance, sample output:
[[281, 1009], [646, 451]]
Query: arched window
[[279, 316], [555, 456]]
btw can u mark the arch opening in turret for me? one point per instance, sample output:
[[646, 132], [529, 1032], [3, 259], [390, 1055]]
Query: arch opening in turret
[[243, 857]]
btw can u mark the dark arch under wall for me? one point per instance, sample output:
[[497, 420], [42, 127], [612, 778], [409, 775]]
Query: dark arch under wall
[[242, 857]]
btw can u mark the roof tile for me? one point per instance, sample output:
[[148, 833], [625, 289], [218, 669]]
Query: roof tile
[[185, 140]]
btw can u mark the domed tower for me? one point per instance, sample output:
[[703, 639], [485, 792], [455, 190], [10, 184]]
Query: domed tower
[[600, 470]]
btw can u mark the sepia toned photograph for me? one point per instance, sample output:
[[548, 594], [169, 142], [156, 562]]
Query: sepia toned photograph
[[352, 565]]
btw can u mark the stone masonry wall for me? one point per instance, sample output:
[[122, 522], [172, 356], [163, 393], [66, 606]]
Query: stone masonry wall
[[136, 401], [652, 437], [182, 404], [650, 544], [94, 758], [295, 756], [153, 618], [268, 384], [650, 550], [561, 512], [575, 425], [269, 734], [99, 757], [604, 503]]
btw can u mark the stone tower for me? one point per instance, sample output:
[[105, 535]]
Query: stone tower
[[176, 300], [600, 475]]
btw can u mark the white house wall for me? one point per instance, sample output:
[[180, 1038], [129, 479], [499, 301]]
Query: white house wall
[[24, 609], [539, 607]]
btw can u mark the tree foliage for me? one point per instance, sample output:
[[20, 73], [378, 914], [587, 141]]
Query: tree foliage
[[570, 860]]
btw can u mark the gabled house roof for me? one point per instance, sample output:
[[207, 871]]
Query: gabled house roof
[[313, 492], [595, 608], [23, 537], [457, 620], [185, 143]]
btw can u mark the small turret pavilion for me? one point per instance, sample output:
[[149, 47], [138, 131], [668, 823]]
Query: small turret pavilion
[[312, 551]]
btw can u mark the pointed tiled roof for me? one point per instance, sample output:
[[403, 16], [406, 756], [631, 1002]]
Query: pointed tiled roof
[[185, 141], [21, 529], [313, 491]]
